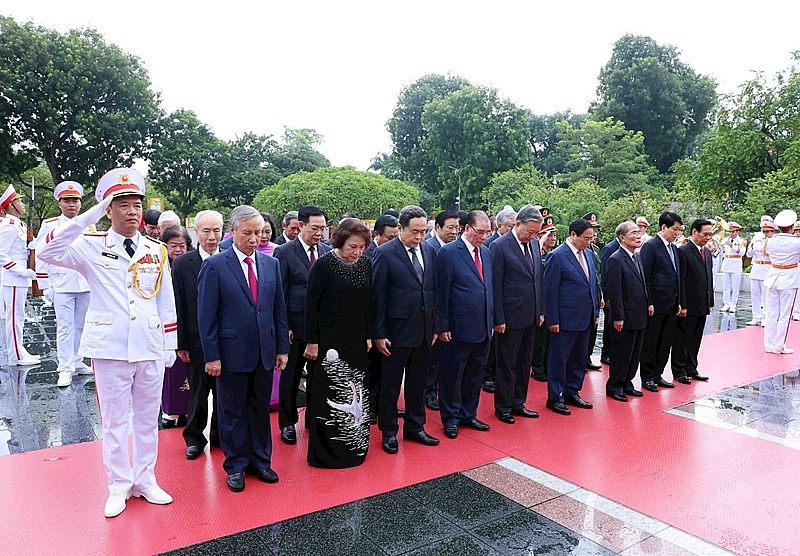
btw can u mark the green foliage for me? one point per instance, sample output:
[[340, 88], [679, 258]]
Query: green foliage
[[548, 156], [298, 152], [648, 87], [628, 208], [44, 204], [515, 188], [769, 194], [336, 191], [244, 168], [77, 103]]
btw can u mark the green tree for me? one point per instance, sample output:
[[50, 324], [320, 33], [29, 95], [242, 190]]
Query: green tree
[[648, 87], [547, 155], [769, 194], [298, 152], [186, 156], [470, 135], [77, 103], [244, 168], [336, 191], [516, 188]]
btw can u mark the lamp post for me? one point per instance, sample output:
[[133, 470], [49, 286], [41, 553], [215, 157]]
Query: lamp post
[[458, 171]]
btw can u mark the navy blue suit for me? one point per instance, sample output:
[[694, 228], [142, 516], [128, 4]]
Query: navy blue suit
[[403, 308], [572, 304], [246, 337], [465, 308], [435, 353], [518, 303]]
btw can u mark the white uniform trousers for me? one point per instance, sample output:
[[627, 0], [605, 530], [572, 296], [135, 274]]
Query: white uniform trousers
[[758, 296], [14, 312], [70, 315], [778, 314], [3, 349], [730, 288], [120, 386]]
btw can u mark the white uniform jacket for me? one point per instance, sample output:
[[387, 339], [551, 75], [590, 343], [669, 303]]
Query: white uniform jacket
[[783, 251], [760, 260], [14, 252], [733, 250], [120, 323], [61, 279]]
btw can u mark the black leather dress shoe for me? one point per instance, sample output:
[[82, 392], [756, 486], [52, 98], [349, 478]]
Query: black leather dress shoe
[[373, 418], [539, 378], [683, 379], [524, 412], [421, 437], [650, 386], [617, 396], [432, 403], [193, 451], [592, 367], [664, 384], [633, 392], [263, 475], [236, 482], [476, 424], [605, 361], [451, 431], [698, 377], [288, 435], [488, 386], [214, 440], [165, 424], [557, 406], [505, 417], [577, 401], [390, 444]]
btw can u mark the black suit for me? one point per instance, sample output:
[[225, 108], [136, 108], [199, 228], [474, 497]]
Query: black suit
[[628, 300], [432, 380], [518, 303], [609, 249], [281, 240], [403, 308], [662, 278], [185, 270], [697, 297], [295, 264]]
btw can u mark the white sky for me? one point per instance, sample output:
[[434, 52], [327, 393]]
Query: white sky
[[338, 66]]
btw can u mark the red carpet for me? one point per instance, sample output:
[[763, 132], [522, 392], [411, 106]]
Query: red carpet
[[724, 487]]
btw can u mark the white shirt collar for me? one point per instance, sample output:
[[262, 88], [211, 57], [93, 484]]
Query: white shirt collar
[[204, 255], [572, 247], [667, 243], [118, 238], [306, 246], [470, 247], [628, 251], [241, 256], [441, 243]]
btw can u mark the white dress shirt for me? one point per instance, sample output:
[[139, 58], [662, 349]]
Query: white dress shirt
[[244, 265]]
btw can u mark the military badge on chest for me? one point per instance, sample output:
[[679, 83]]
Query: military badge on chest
[[148, 271]]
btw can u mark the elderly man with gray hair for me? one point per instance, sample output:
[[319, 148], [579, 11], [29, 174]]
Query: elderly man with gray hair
[[167, 219], [291, 227], [518, 309]]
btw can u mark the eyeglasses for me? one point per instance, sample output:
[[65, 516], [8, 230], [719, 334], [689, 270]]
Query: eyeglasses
[[316, 228], [635, 234], [481, 232]]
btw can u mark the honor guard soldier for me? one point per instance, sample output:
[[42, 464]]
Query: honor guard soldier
[[16, 276], [734, 248], [65, 288], [782, 282], [643, 224], [758, 254], [130, 328]]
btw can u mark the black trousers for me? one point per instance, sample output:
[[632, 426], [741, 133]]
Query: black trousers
[[687, 345], [461, 371], [413, 363], [200, 384], [541, 342], [491, 363], [626, 349], [514, 348], [290, 384], [658, 338], [592, 342], [432, 380], [605, 350]]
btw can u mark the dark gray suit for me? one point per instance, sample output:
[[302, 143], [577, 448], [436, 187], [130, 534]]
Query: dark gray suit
[[697, 297], [432, 380]]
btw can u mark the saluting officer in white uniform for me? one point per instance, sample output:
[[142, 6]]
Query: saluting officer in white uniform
[[758, 254], [782, 282], [65, 288], [733, 248], [130, 328], [16, 275]]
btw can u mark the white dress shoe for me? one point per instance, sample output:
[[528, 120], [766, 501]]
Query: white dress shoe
[[786, 351], [723, 309], [153, 494], [83, 370], [731, 309], [754, 322], [64, 379], [23, 362], [795, 317], [115, 504]]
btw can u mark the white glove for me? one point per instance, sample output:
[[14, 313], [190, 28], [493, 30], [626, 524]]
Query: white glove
[[169, 358], [94, 214], [48, 294], [28, 273]]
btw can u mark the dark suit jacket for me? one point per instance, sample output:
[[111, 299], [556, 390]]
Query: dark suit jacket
[[609, 249], [492, 238], [185, 270], [626, 292], [233, 328], [434, 242], [226, 244], [403, 307], [572, 300], [281, 239], [369, 252], [697, 280], [662, 279], [294, 277], [518, 289], [464, 303]]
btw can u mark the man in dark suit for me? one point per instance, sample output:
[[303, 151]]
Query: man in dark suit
[[296, 258], [697, 299], [628, 308], [518, 311], [605, 352], [291, 227], [402, 298], [570, 283], [465, 319], [661, 265], [245, 337], [445, 231], [384, 231], [185, 269]]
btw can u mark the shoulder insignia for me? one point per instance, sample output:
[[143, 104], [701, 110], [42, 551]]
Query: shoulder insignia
[[157, 242], [95, 233], [53, 219]]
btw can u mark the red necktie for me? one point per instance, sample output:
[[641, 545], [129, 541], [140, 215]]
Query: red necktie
[[311, 255], [251, 279], [478, 264], [703, 254]]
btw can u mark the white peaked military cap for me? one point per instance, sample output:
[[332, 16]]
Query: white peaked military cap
[[118, 182], [641, 220], [786, 219], [68, 189], [734, 225], [768, 225], [766, 218], [8, 197]]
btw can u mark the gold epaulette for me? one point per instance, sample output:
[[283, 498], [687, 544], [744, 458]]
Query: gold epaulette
[[156, 241], [95, 233], [53, 219]]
